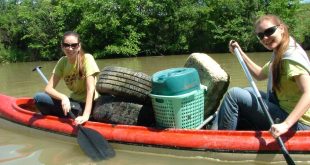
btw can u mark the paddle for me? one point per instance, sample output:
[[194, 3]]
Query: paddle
[[285, 153], [207, 120], [91, 142]]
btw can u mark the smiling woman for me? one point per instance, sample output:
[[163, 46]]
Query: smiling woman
[[79, 71], [288, 94]]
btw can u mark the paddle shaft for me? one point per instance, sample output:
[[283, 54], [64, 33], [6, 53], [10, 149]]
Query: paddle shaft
[[37, 68], [286, 155], [207, 120]]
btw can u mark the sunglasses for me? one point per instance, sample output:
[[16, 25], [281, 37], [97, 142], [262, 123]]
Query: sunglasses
[[268, 32], [73, 46]]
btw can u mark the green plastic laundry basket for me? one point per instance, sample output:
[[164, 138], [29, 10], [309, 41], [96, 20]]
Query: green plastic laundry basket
[[180, 111]]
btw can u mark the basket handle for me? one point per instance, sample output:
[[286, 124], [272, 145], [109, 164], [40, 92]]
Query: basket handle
[[158, 100]]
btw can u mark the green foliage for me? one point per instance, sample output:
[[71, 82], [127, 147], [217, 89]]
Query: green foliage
[[301, 30], [8, 55], [111, 27], [31, 30], [4, 54], [41, 28]]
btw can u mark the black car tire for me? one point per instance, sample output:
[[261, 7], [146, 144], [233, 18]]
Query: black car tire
[[126, 83], [114, 110]]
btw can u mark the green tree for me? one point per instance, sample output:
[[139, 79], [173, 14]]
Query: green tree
[[32, 29], [109, 28], [42, 27]]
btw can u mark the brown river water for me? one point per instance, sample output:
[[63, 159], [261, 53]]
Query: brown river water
[[29, 146]]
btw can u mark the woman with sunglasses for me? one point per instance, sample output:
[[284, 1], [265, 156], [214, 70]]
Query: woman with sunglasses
[[78, 70], [288, 93]]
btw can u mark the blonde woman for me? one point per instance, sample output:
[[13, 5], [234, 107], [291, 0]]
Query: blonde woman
[[288, 93], [78, 70]]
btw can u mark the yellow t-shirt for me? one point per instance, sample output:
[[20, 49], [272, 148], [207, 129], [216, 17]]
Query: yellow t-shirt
[[69, 73], [289, 93]]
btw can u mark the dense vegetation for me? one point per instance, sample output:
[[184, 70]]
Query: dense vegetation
[[32, 29]]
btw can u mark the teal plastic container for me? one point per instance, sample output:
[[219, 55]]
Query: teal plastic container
[[175, 81]]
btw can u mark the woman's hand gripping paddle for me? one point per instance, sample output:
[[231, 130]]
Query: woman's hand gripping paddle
[[285, 153], [91, 142]]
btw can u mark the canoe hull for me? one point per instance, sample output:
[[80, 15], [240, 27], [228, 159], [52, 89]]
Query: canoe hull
[[205, 143]]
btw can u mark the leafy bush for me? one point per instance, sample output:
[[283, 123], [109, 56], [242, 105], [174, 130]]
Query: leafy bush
[[113, 28]]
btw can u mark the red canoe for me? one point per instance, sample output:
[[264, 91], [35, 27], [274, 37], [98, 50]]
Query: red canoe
[[19, 111]]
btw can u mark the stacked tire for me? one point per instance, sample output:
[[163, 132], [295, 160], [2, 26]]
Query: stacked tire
[[124, 97]]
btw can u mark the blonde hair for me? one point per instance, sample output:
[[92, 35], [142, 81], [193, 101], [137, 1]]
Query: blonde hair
[[279, 51], [81, 54]]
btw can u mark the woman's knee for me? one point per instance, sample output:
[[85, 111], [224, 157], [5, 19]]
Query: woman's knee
[[241, 97], [41, 97], [235, 92], [43, 102], [231, 100], [252, 91]]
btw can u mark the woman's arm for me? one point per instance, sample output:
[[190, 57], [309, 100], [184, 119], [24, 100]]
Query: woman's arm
[[90, 87], [256, 71], [50, 89], [303, 82]]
